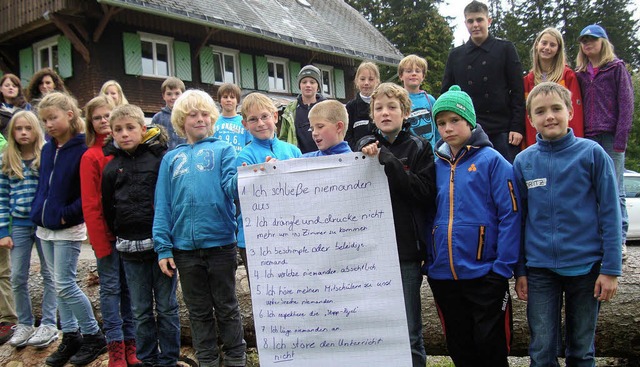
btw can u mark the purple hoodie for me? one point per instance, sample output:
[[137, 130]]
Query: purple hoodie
[[608, 102]]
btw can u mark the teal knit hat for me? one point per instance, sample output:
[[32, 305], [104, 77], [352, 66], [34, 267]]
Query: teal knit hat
[[457, 101]]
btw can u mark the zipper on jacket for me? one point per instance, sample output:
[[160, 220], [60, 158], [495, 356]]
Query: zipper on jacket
[[433, 241], [514, 202], [481, 233], [44, 205]]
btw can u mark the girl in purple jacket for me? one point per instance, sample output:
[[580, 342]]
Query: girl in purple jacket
[[607, 94]]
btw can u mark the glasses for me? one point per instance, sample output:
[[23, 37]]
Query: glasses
[[99, 118], [264, 118]]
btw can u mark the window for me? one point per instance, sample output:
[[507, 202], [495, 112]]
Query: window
[[327, 80], [157, 55], [225, 65], [278, 74], [46, 53]]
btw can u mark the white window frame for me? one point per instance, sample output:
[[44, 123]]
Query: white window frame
[[154, 39], [48, 43], [222, 51], [332, 85], [285, 63]]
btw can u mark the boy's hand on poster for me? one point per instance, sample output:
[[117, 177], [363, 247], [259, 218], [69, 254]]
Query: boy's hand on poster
[[371, 149], [515, 138], [167, 266], [606, 287]]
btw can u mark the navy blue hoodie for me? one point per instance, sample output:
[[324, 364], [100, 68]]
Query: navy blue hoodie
[[58, 193]]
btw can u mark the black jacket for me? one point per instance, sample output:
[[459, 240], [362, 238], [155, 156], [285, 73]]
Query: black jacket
[[492, 75], [410, 169], [360, 123], [129, 184]]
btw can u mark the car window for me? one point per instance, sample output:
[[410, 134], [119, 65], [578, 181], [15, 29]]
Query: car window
[[632, 187]]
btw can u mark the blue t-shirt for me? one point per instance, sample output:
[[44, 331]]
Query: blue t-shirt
[[421, 120], [230, 129]]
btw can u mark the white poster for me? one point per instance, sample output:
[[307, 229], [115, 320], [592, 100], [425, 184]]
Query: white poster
[[323, 262]]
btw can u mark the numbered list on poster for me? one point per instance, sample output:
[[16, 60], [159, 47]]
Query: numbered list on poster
[[323, 263]]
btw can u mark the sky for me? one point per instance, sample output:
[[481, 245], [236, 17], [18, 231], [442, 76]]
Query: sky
[[455, 8]]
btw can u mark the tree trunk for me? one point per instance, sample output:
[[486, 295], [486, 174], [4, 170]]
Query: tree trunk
[[618, 333]]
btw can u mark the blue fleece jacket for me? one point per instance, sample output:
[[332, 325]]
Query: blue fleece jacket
[[572, 213], [478, 220], [256, 152], [194, 209], [58, 193], [163, 118], [340, 148]]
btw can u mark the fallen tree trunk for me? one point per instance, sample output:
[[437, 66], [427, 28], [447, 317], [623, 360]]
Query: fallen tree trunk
[[618, 332]]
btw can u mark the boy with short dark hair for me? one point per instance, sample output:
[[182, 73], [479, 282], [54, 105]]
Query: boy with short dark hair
[[229, 126], [476, 237], [409, 166], [128, 186], [329, 121], [572, 231], [171, 89], [194, 229], [489, 70], [412, 70]]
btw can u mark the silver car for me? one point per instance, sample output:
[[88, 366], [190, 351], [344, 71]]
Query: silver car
[[632, 191]]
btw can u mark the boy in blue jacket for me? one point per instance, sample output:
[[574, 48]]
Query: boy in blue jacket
[[476, 236], [194, 229], [329, 121], [572, 231], [259, 117]]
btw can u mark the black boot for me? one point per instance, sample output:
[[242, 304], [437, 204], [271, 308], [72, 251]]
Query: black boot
[[92, 347], [70, 344]]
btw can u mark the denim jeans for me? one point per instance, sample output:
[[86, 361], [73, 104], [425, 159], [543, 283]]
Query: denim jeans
[[23, 241], [544, 308], [73, 305], [157, 335], [500, 143], [208, 284], [115, 302], [606, 142], [411, 283]]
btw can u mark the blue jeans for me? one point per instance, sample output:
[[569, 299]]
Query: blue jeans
[[208, 279], [411, 283], [544, 308], [23, 240], [115, 302], [606, 142], [73, 305], [157, 337]]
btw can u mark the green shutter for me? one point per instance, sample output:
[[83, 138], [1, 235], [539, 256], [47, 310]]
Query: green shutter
[[338, 80], [26, 65], [182, 60], [294, 70], [262, 70], [207, 74], [132, 53], [246, 72], [65, 64]]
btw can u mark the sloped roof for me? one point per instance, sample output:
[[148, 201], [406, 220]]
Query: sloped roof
[[330, 26]]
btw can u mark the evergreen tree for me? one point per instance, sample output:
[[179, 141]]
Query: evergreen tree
[[414, 27], [632, 156]]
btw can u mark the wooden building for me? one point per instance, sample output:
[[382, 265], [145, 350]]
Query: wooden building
[[257, 44]]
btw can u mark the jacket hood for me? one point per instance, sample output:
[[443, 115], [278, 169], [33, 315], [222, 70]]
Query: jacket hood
[[155, 139], [477, 140]]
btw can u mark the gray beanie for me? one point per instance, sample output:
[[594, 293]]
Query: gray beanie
[[310, 71]]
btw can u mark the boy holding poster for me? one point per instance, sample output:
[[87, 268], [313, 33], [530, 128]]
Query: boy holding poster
[[328, 121], [409, 166], [259, 116]]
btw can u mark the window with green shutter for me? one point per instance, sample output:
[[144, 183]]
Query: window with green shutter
[[132, 54], [65, 64], [338, 77], [247, 79], [25, 57], [207, 74]]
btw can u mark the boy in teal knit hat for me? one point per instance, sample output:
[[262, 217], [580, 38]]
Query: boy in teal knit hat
[[476, 236]]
